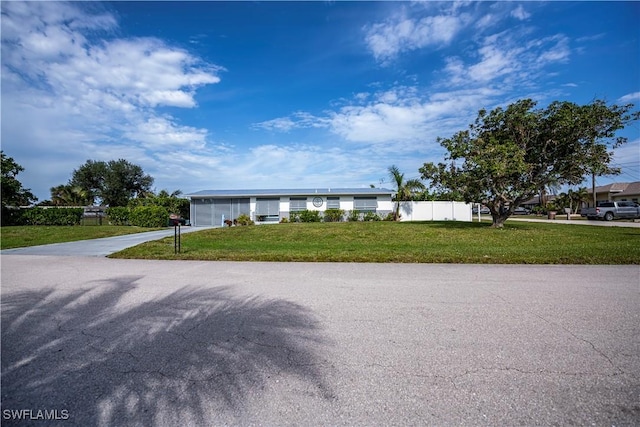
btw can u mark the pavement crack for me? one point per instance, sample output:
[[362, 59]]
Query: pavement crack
[[557, 325]]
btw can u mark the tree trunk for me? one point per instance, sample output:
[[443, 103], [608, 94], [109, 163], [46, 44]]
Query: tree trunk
[[498, 220], [499, 213]]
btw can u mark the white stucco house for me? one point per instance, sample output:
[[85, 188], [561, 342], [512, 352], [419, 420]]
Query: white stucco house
[[212, 207]]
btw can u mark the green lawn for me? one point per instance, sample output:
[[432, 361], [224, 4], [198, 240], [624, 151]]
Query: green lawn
[[21, 236], [425, 242]]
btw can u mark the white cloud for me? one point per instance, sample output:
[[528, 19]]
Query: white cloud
[[558, 52], [402, 33], [397, 120], [505, 61], [69, 85], [159, 132], [297, 120], [281, 124], [494, 62], [520, 13], [630, 97]]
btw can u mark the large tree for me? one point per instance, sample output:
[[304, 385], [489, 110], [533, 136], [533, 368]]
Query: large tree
[[507, 155], [114, 183], [405, 189], [12, 191]]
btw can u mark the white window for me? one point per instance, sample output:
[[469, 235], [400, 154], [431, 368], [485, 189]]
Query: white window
[[297, 204], [365, 204], [268, 209], [333, 202]]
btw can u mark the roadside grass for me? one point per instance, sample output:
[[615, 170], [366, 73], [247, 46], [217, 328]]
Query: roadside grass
[[22, 236], [405, 242]]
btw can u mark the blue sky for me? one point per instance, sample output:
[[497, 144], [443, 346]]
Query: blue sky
[[247, 95]]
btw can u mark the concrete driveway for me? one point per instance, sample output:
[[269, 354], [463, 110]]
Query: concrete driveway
[[99, 247], [103, 342]]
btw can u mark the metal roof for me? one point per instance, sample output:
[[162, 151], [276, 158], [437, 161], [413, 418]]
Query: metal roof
[[293, 192]]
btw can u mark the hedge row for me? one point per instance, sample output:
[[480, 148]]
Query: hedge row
[[141, 216], [336, 215], [149, 216], [42, 216]]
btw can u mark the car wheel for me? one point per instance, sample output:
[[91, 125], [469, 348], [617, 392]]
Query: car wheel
[[608, 216]]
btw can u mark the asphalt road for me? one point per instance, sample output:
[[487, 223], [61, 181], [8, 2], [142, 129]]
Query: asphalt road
[[106, 342]]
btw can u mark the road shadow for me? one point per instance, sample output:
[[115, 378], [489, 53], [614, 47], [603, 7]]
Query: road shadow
[[110, 360]]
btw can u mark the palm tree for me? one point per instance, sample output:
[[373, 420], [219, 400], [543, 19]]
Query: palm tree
[[580, 196], [70, 195], [404, 189]]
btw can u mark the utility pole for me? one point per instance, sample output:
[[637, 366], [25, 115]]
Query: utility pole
[[593, 187]]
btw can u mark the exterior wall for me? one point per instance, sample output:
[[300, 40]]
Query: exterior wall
[[385, 205], [202, 207], [626, 198], [435, 211], [410, 211]]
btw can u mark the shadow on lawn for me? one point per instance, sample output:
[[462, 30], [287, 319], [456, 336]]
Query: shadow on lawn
[[464, 225], [175, 360]]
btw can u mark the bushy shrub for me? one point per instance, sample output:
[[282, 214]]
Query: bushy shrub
[[539, 210], [149, 216], [390, 217], [309, 216], [244, 220], [333, 215], [371, 216], [118, 215], [173, 204], [354, 215], [52, 216]]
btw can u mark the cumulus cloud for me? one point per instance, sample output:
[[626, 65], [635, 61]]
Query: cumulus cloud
[[68, 80]]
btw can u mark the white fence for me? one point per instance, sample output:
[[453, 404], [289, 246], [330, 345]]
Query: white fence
[[435, 211]]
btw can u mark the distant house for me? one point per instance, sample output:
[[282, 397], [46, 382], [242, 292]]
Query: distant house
[[617, 191], [535, 201]]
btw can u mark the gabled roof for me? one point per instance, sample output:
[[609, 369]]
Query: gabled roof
[[618, 188], [293, 192], [632, 189]]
